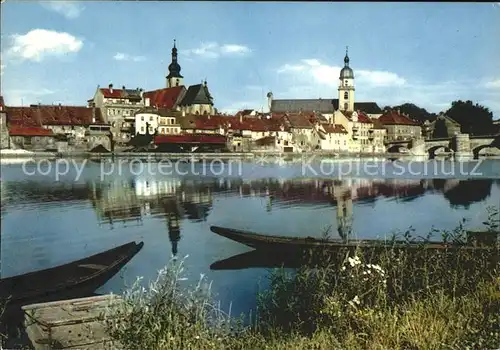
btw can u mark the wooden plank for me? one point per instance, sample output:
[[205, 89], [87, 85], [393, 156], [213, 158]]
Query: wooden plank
[[97, 298], [90, 335], [70, 324], [70, 312]]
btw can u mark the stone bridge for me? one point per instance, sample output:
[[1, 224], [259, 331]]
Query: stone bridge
[[459, 145]]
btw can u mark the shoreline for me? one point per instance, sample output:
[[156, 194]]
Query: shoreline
[[24, 154]]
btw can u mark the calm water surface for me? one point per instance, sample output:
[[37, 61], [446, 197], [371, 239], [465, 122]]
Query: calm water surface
[[47, 221]]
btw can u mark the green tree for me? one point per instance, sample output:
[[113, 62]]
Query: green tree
[[473, 118], [440, 129], [414, 112]]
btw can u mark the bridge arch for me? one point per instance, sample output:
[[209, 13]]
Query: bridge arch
[[433, 150], [495, 148], [398, 149]]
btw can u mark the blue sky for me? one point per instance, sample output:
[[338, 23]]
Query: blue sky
[[425, 53]]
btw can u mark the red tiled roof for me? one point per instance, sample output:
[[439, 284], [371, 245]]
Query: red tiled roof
[[362, 117], [377, 124], [119, 93], [53, 115], [191, 138], [213, 122], [16, 130], [165, 98], [301, 121], [334, 129], [395, 118]]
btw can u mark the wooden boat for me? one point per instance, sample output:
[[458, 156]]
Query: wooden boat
[[73, 280], [280, 243]]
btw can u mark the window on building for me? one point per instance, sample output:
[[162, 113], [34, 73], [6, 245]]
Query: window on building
[[142, 118], [176, 82], [346, 95], [151, 118], [346, 106], [142, 129]]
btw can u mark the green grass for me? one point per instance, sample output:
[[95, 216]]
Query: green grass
[[394, 299]]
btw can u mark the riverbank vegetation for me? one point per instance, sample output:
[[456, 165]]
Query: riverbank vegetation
[[396, 299]]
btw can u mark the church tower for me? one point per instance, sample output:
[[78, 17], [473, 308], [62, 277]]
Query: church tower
[[346, 86], [174, 77]]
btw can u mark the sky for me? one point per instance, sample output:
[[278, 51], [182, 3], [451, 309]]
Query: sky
[[428, 54]]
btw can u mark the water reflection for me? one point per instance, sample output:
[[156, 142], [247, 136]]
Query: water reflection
[[126, 202]]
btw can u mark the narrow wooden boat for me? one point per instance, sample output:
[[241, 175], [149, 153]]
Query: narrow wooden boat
[[266, 242], [75, 279]]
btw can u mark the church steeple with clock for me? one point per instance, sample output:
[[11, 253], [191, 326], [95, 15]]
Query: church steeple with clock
[[346, 86]]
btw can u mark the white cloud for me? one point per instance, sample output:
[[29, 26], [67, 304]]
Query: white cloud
[[380, 78], [215, 50], [69, 9], [234, 49], [38, 43], [494, 84], [329, 75], [120, 56]]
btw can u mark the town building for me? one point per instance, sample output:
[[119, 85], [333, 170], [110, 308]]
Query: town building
[[400, 126], [304, 135], [360, 129], [198, 100], [118, 106], [37, 127], [152, 121], [333, 137]]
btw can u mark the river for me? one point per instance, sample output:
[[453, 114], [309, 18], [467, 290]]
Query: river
[[54, 212]]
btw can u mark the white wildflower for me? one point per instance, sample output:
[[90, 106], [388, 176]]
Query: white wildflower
[[355, 301], [197, 337], [343, 268], [354, 261]]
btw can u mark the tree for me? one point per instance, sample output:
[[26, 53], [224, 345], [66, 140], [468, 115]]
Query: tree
[[440, 129], [473, 118], [414, 112]]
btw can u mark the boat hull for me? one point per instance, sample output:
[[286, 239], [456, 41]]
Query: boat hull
[[73, 280], [283, 243]]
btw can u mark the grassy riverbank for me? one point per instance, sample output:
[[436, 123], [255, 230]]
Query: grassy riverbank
[[395, 300]]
